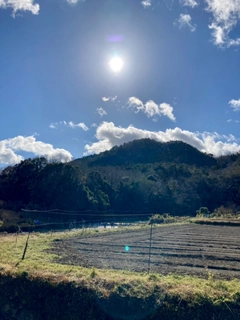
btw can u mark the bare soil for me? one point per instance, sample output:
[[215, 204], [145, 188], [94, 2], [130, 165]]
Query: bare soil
[[182, 249]]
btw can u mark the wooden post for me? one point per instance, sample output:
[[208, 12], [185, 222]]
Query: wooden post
[[26, 245], [150, 247]]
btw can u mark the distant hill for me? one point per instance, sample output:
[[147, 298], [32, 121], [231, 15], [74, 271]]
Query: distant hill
[[139, 176], [149, 151]]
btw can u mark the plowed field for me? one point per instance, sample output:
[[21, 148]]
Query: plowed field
[[184, 249]]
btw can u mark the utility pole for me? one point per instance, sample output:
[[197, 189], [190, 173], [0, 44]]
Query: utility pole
[[150, 247]]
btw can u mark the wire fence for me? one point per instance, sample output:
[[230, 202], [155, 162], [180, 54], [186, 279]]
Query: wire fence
[[66, 219], [182, 248], [88, 228]]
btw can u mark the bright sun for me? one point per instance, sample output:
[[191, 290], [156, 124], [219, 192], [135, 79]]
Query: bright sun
[[116, 64]]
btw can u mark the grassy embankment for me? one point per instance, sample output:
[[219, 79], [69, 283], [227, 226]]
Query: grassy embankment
[[39, 288]]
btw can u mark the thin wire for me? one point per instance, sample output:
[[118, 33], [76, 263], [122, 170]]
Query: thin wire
[[62, 212], [65, 223]]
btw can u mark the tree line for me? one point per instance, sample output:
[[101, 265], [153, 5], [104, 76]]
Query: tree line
[[129, 182]]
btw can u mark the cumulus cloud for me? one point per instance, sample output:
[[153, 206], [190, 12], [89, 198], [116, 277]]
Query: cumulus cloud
[[105, 99], [185, 20], [109, 135], [101, 111], [226, 14], [167, 110], [189, 3], [136, 104], [9, 147], [235, 104], [151, 109], [20, 5], [70, 124], [146, 3]]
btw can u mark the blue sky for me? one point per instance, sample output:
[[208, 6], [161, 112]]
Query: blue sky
[[60, 98]]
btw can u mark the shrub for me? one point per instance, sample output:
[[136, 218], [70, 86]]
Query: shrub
[[222, 212], [162, 218], [202, 212]]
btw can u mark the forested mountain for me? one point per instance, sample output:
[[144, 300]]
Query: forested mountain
[[150, 151], [140, 176]]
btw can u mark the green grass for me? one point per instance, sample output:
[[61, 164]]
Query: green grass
[[173, 295], [40, 264]]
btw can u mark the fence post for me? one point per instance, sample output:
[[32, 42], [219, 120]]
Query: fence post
[[150, 247], [25, 249]]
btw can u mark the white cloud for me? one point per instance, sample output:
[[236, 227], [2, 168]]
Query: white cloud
[[189, 3], [27, 5], [74, 1], [146, 3], [109, 135], [101, 111], [105, 99], [9, 147], [52, 126], [83, 126], [185, 20], [136, 103], [230, 120], [20, 5], [226, 14], [8, 156], [167, 111], [69, 124], [78, 125], [235, 104], [151, 109], [234, 42], [218, 34]]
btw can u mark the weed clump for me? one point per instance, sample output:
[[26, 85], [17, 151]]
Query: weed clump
[[93, 273], [162, 218]]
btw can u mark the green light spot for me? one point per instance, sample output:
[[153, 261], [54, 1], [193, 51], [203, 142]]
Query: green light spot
[[127, 248]]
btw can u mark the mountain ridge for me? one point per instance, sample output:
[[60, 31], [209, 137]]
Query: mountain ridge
[[142, 175], [149, 151]]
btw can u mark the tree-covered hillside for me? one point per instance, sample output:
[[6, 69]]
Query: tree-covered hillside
[[150, 151], [140, 176]]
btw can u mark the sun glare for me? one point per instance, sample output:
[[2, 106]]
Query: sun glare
[[116, 64]]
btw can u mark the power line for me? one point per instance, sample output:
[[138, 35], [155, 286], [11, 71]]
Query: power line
[[90, 213], [26, 210]]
